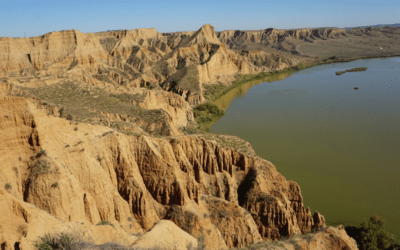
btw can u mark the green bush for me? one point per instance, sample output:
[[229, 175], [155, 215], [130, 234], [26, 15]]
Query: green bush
[[8, 186], [39, 167], [204, 119], [370, 235], [104, 223], [205, 113], [175, 141], [211, 108], [147, 87], [72, 241], [65, 241]]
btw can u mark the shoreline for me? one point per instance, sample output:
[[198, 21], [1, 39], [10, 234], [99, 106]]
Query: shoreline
[[262, 76]]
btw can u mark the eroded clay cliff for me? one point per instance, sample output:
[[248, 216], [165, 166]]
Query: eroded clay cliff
[[180, 62], [57, 175]]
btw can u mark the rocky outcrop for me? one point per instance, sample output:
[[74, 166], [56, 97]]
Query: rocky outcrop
[[179, 111], [326, 238], [50, 51], [166, 235], [319, 220], [92, 174]]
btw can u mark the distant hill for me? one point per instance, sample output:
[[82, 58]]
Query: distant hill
[[374, 26]]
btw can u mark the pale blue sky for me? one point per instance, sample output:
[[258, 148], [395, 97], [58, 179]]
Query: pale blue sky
[[42, 16]]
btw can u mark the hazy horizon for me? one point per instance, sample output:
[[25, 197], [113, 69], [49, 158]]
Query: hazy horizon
[[22, 18]]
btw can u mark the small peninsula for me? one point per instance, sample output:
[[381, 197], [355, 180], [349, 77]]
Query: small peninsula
[[351, 70]]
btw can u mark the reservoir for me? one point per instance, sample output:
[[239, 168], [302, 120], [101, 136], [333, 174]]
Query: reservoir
[[340, 144]]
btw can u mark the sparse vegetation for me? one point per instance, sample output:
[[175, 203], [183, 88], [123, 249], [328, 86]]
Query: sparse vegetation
[[22, 229], [103, 78], [231, 141], [55, 184], [42, 152], [205, 114], [39, 167], [8, 186], [125, 97], [214, 92], [72, 241], [104, 223], [87, 104], [106, 133], [186, 79], [108, 43]]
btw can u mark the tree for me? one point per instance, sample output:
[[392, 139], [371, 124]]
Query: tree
[[370, 235]]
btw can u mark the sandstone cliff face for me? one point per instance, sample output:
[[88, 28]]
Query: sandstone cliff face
[[54, 49], [91, 175], [179, 111]]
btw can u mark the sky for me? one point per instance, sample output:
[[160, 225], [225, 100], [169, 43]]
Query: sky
[[20, 18]]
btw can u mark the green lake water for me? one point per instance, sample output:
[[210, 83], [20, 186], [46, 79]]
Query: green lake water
[[341, 145]]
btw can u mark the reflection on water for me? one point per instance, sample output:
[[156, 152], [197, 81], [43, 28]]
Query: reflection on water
[[224, 102], [341, 145]]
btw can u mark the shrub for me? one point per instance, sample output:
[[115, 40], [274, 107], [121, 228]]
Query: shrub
[[137, 234], [222, 213], [210, 108], [200, 243], [175, 141], [370, 235], [22, 229], [55, 184], [104, 223], [8, 186], [76, 128], [148, 87], [42, 152], [204, 119], [39, 167], [106, 133], [65, 241]]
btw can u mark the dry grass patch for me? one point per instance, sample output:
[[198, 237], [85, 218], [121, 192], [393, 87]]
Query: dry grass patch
[[231, 141], [85, 103]]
